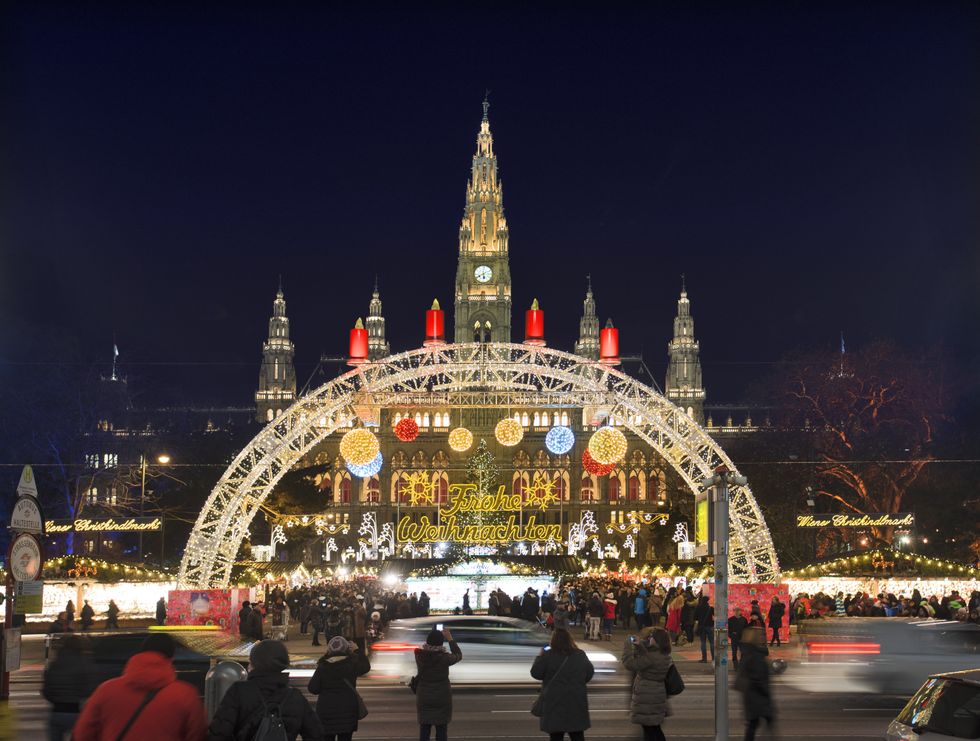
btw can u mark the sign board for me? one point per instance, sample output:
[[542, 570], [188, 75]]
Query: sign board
[[702, 519], [685, 551], [105, 525], [27, 487], [871, 519], [26, 517], [25, 558], [11, 649], [29, 598]]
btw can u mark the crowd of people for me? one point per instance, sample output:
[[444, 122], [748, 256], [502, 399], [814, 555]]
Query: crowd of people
[[951, 606]]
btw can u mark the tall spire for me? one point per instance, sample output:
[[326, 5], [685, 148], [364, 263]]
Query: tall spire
[[684, 386], [378, 347], [483, 286], [588, 327], [277, 377]]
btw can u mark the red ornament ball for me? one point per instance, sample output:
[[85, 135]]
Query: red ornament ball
[[593, 466], [406, 430]]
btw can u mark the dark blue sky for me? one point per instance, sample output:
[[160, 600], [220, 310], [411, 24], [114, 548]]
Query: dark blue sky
[[810, 168]]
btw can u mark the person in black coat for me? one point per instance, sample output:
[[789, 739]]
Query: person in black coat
[[704, 616], [736, 626], [753, 681], [68, 681], [434, 693], [531, 606], [161, 611], [88, 616], [776, 611], [243, 619], [335, 684], [242, 709], [564, 671]]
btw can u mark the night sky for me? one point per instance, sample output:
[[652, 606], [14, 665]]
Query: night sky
[[810, 170]]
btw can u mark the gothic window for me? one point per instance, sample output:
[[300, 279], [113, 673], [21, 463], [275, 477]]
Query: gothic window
[[564, 419], [477, 334], [93, 495], [425, 420], [398, 418], [524, 419], [613, 489], [517, 417], [587, 492], [520, 483], [92, 460], [399, 459], [486, 331], [269, 414], [441, 491], [278, 412], [418, 419], [537, 419], [544, 419], [440, 459], [345, 490], [419, 460], [373, 490], [483, 226], [110, 460], [276, 369], [636, 488], [541, 459], [562, 489], [690, 411]]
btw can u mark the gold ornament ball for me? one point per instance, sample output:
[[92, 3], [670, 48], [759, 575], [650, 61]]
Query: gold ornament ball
[[607, 445], [508, 432], [359, 446], [460, 439]]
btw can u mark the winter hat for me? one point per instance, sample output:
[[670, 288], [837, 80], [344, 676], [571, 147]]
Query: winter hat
[[435, 638], [338, 645], [269, 656], [161, 643]]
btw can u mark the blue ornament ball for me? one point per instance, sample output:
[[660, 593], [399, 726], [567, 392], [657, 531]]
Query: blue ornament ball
[[368, 469], [559, 440]]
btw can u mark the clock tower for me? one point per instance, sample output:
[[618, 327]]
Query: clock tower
[[483, 292]]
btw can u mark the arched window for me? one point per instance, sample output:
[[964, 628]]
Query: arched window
[[344, 489], [517, 417], [437, 419], [269, 414], [398, 418], [690, 411], [425, 420], [524, 420], [276, 369], [373, 490], [544, 419], [587, 492], [520, 483], [634, 487], [537, 419], [486, 331], [278, 412], [561, 486], [477, 334], [418, 419], [613, 488], [441, 481], [564, 419]]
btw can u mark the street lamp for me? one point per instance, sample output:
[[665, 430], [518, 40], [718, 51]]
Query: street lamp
[[163, 459]]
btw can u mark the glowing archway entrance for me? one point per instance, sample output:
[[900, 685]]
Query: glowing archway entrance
[[490, 375]]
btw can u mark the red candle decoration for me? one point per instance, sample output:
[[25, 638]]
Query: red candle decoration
[[435, 325], [358, 344], [593, 466], [406, 430], [534, 325], [609, 344]]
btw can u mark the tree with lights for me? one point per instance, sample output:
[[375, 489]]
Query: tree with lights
[[482, 470]]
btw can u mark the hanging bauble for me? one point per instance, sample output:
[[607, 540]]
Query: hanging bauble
[[591, 465], [366, 472], [359, 446], [406, 430], [460, 439], [508, 432], [559, 439], [607, 445]]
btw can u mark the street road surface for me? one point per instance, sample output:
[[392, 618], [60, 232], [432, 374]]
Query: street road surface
[[502, 712]]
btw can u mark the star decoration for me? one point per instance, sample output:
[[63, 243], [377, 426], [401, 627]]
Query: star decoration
[[420, 488], [541, 492]]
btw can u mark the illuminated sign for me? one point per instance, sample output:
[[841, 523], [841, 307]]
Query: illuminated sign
[[464, 499], [105, 525], [871, 519], [701, 524]]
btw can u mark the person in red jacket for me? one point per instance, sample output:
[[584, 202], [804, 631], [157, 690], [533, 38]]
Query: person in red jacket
[[148, 698]]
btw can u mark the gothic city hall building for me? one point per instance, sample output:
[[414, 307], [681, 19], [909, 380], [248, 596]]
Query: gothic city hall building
[[483, 313]]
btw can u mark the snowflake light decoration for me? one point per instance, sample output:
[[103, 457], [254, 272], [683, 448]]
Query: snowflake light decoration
[[420, 488], [541, 492], [680, 533]]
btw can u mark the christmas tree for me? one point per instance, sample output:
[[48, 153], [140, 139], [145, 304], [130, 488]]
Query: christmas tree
[[481, 469]]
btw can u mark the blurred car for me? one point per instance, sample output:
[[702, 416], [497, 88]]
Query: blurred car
[[946, 706], [495, 649], [887, 655], [193, 657]]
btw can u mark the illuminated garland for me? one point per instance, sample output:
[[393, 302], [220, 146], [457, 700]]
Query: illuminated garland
[[406, 430], [607, 445], [559, 440], [508, 432], [75, 567], [865, 562], [359, 446], [460, 439]]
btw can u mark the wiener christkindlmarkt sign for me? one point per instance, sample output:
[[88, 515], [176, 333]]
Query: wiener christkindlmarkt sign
[[105, 525], [870, 519]]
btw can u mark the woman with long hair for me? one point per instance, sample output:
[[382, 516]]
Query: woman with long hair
[[564, 671], [648, 657]]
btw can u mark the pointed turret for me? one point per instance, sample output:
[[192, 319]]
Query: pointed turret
[[588, 327], [483, 287], [378, 347], [277, 378], [684, 386]]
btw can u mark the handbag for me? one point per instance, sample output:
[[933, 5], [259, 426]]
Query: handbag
[[537, 709], [129, 724], [362, 710], [673, 682]]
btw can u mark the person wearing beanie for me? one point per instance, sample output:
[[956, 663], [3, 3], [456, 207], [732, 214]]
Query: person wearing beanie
[[149, 694], [335, 685], [434, 693], [241, 710]]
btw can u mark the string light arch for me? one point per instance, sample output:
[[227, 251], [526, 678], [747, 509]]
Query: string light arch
[[500, 375]]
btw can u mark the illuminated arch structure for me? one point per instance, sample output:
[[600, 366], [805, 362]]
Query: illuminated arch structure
[[465, 375]]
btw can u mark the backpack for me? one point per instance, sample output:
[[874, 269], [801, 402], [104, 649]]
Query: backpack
[[271, 727]]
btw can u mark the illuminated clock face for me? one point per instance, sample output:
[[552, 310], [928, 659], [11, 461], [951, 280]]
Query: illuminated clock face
[[483, 273]]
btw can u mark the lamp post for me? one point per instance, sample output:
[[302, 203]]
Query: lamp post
[[163, 459], [718, 498]]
